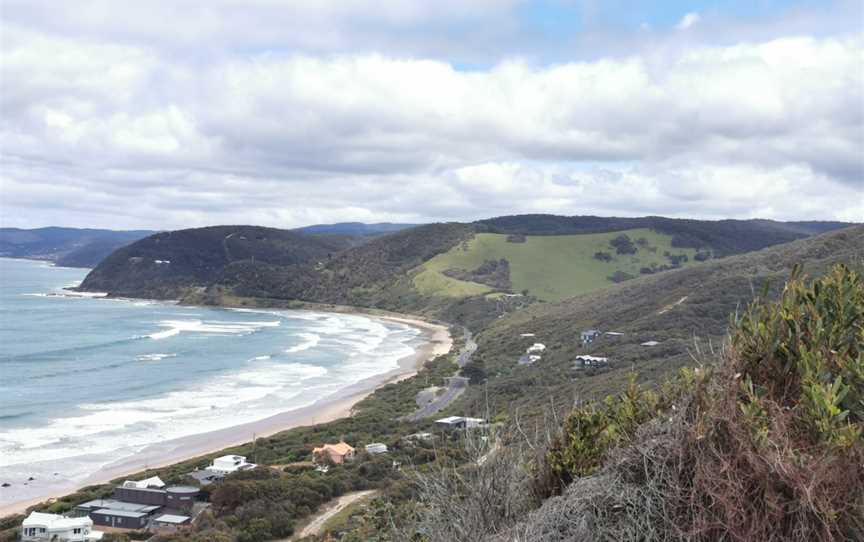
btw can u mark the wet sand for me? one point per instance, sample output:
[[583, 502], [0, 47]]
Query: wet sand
[[437, 342]]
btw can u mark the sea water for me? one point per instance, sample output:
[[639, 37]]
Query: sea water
[[86, 381]]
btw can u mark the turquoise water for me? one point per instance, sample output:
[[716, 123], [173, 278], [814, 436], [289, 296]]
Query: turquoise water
[[85, 381]]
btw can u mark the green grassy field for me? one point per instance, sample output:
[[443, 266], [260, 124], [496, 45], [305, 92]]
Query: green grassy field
[[550, 267]]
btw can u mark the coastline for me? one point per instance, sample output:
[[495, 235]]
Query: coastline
[[437, 341]]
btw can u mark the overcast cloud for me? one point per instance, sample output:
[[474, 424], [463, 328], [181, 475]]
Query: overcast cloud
[[179, 114]]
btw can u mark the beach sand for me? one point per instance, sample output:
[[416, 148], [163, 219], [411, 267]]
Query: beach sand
[[437, 342]]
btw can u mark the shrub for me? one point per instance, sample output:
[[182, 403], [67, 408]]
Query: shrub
[[776, 449], [603, 256], [620, 276], [623, 244]]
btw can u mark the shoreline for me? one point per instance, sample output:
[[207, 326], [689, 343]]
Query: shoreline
[[436, 341]]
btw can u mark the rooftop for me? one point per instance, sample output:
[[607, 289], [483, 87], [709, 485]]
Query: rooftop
[[171, 518], [340, 448], [154, 481], [115, 505], [55, 522]]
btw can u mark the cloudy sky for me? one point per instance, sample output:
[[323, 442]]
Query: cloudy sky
[[182, 113]]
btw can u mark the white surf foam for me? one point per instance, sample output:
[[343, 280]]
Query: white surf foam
[[198, 326], [259, 390], [154, 357], [310, 340]]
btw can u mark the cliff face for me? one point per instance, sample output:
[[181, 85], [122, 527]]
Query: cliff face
[[165, 264]]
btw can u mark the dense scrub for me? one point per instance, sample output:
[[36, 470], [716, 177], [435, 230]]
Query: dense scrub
[[164, 264]]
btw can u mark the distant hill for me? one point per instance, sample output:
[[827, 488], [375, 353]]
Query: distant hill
[[355, 228], [167, 264], [446, 270], [69, 247]]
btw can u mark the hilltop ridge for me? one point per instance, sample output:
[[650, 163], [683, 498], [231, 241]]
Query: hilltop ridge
[[432, 269]]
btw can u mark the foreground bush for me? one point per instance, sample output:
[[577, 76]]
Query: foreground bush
[[776, 450]]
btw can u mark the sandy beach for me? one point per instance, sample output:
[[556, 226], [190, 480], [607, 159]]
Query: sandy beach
[[437, 341]]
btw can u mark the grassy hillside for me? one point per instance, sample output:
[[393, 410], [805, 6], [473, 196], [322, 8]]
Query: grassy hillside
[[684, 310], [550, 267]]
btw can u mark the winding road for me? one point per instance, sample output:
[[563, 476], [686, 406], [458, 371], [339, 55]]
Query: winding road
[[455, 387]]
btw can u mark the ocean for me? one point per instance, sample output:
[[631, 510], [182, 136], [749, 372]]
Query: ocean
[[87, 381]]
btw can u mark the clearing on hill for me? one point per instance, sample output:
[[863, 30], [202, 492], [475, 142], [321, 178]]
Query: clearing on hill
[[549, 267]]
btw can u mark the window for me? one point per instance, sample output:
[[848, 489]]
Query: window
[[76, 531]]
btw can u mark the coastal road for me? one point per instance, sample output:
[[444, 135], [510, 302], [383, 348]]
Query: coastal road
[[455, 387], [331, 509]]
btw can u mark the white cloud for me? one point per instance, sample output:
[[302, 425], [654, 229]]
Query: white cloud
[[113, 132], [688, 21]]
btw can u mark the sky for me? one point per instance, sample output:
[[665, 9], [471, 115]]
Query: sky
[[181, 113]]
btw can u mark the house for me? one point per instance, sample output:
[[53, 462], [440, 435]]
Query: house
[[40, 526], [526, 335], [205, 477], [460, 422], [650, 343], [118, 514], [376, 448], [589, 335], [177, 497], [535, 348], [614, 334], [337, 453], [585, 361], [529, 359], [230, 463], [121, 519], [154, 482]]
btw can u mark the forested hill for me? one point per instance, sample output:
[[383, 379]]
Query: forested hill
[[166, 264], [68, 247], [443, 270]]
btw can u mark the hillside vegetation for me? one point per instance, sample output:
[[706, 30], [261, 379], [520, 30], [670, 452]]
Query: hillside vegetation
[[554, 267], [455, 272], [166, 264], [761, 442], [685, 311]]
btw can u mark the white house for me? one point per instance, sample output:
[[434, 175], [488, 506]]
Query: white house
[[230, 463], [40, 526], [589, 335], [460, 422], [650, 343], [154, 482], [376, 448], [591, 361], [536, 347]]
